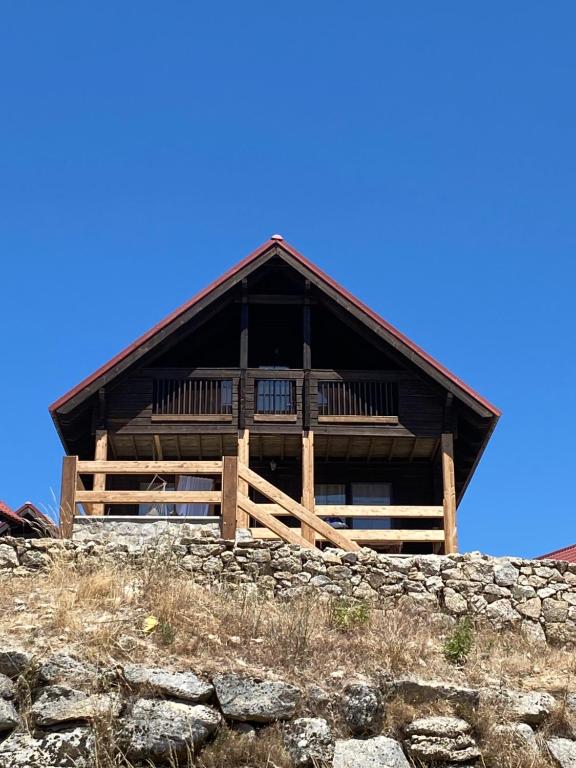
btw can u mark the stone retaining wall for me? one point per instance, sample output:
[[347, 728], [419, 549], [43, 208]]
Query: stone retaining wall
[[538, 595]]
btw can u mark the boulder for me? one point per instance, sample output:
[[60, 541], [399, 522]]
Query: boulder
[[309, 742], [59, 704], [70, 748], [563, 752], [379, 752], [505, 574], [14, 662], [180, 685], [253, 700], [417, 691], [530, 707], [8, 716], [166, 729], [61, 667], [520, 733], [441, 739], [8, 557], [362, 709], [7, 688]]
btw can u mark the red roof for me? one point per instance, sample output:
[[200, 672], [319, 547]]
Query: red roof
[[566, 553], [27, 508], [8, 513], [275, 241]]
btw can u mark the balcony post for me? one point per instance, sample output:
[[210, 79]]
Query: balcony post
[[243, 519], [68, 495], [308, 482], [100, 454], [229, 496], [449, 485]]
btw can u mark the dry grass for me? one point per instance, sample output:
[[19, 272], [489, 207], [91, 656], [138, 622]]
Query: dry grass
[[100, 612]]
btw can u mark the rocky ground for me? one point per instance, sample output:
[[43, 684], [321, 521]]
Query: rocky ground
[[116, 658]]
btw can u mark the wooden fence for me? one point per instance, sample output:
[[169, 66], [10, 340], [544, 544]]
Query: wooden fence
[[235, 479]]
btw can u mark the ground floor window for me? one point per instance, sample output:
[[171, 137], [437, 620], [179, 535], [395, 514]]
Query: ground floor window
[[371, 494]]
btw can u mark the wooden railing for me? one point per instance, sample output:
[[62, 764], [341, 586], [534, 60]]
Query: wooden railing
[[358, 400], [235, 479], [195, 398]]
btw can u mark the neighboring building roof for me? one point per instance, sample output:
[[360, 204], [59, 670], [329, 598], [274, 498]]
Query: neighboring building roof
[[276, 245], [8, 514], [27, 513], [566, 553]]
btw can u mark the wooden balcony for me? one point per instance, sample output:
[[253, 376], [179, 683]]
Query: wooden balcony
[[266, 396], [231, 502]]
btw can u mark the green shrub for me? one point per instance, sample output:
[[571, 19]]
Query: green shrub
[[347, 615], [458, 646]]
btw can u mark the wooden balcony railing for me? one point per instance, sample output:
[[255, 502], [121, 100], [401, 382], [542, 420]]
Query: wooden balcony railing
[[207, 399], [235, 479], [358, 401]]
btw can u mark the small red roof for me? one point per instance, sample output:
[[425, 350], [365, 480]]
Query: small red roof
[[9, 514], [29, 510], [566, 553]]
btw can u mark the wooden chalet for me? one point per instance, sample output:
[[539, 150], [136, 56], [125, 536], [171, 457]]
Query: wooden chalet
[[275, 399], [25, 522]]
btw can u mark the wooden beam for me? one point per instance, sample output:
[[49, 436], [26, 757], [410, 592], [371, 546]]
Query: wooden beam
[[449, 485], [100, 454], [243, 519], [371, 536], [294, 508], [151, 467], [68, 496], [360, 510], [145, 497], [229, 496], [244, 326], [307, 330], [308, 482], [274, 528], [358, 419], [158, 448]]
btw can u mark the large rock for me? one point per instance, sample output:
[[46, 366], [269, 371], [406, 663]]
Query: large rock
[[14, 662], [8, 716], [530, 707], [441, 739], [505, 574], [7, 688], [160, 730], [309, 742], [59, 704], [70, 748], [253, 700], [563, 752], [520, 733], [362, 709], [379, 752], [416, 691], [180, 685], [8, 557], [61, 667]]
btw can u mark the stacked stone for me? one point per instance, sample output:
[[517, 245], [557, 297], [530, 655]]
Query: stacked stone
[[156, 715], [538, 596]]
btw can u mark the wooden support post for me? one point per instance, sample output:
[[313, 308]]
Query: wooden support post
[[229, 496], [449, 483], [100, 454], [68, 496], [243, 518], [308, 482]]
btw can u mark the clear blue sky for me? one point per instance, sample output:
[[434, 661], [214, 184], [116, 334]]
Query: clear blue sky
[[422, 153]]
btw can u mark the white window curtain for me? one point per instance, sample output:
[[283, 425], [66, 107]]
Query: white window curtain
[[371, 494], [193, 483]]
